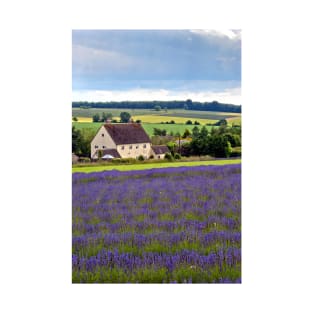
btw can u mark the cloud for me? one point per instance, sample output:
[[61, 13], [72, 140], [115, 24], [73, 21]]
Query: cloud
[[228, 95], [230, 34], [91, 61], [105, 55]]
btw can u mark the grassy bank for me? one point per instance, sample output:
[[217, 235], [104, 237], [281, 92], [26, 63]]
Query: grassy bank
[[129, 167]]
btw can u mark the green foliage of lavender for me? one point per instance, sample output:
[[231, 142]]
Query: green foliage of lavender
[[172, 225]]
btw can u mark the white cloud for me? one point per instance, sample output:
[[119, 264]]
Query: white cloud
[[231, 95], [91, 59], [231, 34]]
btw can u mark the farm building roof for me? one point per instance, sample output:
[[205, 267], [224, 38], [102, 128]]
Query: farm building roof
[[112, 152], [160, 149], [127, 133]]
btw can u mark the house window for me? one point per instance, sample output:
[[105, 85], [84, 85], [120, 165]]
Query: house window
[[103, 147], [130, 147], [102, 135], [96, 147], [145, 146], [137, 147], [122, 147]]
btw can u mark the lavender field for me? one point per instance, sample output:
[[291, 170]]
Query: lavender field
[[173, 225]]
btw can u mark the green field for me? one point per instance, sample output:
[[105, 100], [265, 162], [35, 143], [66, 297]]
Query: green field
[[170, 127], [151, 118], [167, 118], [148, 127], [116, 112], [209, 115], [129, 167]]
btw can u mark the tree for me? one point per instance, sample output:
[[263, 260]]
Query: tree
[[185, 149], [125, 117], [106, 116], [188, 104], [219, 147], [187, 133], [96, 118], [195, 132], [77, 141], [75, 119], [196, 123], [233, 139], [200, 141], [157, 108], [159, 132], [189, 122], [195, 145], [221, 122]]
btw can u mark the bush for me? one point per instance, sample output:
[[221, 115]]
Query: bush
[[189, 122], [124, 161], [196, 123], [187, 133], [236, 152], [84, 160], [171, 146], [168, 156], [177, 156], [141, 158], [75, 119]]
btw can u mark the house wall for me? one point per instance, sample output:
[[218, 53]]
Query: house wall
[[158, 156], [135, 152], [102, 139]]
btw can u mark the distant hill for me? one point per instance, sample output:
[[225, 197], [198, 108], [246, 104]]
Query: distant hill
[[187, 105]]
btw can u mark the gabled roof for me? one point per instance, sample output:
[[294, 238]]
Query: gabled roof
[[112, 152], [127, 133], [160, 149]]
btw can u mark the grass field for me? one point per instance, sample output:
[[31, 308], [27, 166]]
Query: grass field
[[152, 119], [148, 127], [129, 167], [116, 112], [169, 127], [166, 118], [189, 114]]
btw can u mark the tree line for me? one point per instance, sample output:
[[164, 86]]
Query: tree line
[[219, 142], [164, 105]]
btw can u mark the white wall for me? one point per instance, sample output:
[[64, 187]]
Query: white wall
[[101, 139], [134, 152]]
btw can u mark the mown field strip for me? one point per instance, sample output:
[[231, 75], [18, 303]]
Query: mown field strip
[[148, 127], [130, 167], [168, 118]]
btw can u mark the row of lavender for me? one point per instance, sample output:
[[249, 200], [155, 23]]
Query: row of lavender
[[160, 225]]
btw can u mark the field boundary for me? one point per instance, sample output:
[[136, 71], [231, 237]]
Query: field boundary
[[130, 167]]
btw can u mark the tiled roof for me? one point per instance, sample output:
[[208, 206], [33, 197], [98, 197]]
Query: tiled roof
[[127, 133], [112, 152], [160, 149]]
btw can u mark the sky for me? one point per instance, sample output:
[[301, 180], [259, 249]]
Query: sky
[[119, 65]]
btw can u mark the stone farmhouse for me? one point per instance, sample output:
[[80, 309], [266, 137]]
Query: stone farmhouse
[[127, 140]]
